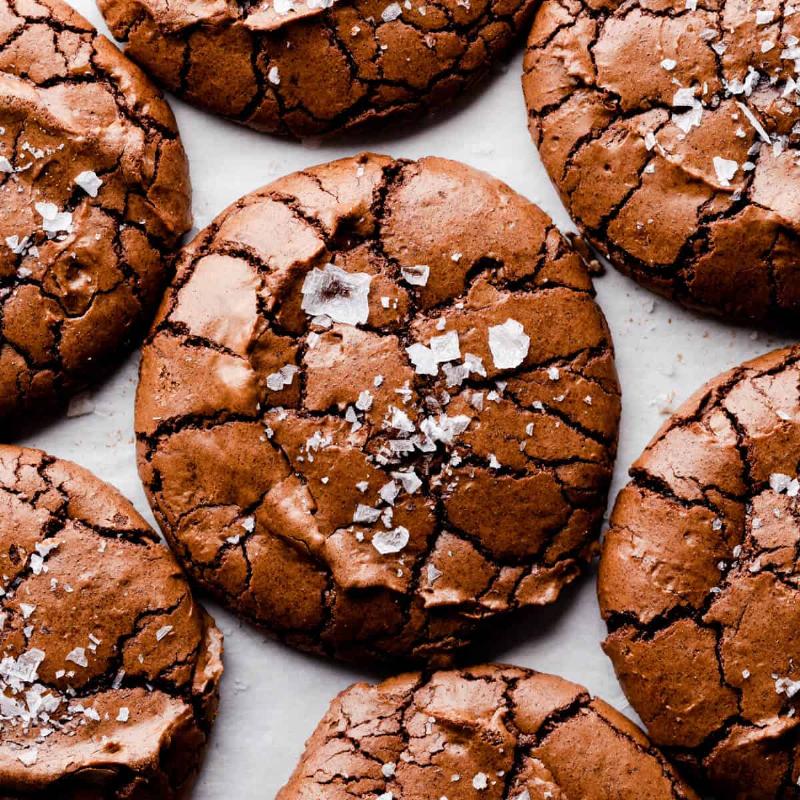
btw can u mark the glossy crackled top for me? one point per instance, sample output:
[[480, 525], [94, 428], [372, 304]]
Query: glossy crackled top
[[108, 669], [699, 581], [489, 732], [303, 67], [670, 131], [378, 405], [93, 193]]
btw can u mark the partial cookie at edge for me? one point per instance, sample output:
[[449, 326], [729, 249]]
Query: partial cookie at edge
[[669, 130], [310, 68], [698, 582], [493, 732], [94, 196], [109, 671]]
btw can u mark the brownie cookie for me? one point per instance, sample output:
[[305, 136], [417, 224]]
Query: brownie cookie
[[670, 130], [700, 582], [491, 731], [378, 406], [94, 192], [109, 671], [303, 67]]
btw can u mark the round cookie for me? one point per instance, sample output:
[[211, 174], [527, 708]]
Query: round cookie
[[378, 406], [492, 731], [94, 193], [699, 582], [109, 671], [669, 130], [308, 67]]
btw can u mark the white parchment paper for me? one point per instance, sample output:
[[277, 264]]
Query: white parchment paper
[[273, 697]]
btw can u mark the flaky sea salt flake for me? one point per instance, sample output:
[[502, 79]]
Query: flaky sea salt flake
[[364, 402], [391, 12], [89, 182], [725, 169], [163, 631], [480, 781], [282, 378], [386, 542], [753, 120], [445, 347], [416, 275], [779, 482], [509, 344], [77, 656], [53, 220], [423, 359], [341, 296], [409, 480], [433, 574], [365, 515], [764, 16]]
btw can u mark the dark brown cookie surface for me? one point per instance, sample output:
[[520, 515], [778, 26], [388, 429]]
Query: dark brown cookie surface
[[109, 671], [699, 582], [302, 67], [491, 732], [94, 193], [669, 129], [379, 406]]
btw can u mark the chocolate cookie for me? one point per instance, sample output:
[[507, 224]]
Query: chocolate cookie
[[378, 406], [700, 582], [108, 670], [302, 67], [492, 732], [94, 192], [669, 129]]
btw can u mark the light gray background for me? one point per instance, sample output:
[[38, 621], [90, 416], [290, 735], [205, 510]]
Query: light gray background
[[272, 697]]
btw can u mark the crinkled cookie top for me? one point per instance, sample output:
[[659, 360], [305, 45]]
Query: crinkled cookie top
[[379, 406]]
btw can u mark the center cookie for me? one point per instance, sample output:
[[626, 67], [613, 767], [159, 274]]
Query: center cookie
[[699, 582], [94, 194], [109, 671], [303, 67], [670, 130], [491, 732], [379, 406]]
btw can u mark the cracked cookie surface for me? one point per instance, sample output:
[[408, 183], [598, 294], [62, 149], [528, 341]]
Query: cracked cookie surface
[[378, 407], [109, 671], [94, 194], [670, 130], [699, 582], [493, 732], [307, 67]]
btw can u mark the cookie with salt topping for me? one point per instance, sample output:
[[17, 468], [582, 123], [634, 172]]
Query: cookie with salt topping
[[699, 582], [308, 67], [379, 407], [492, 732], [670, 129], [109, 671], [94, 195]]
